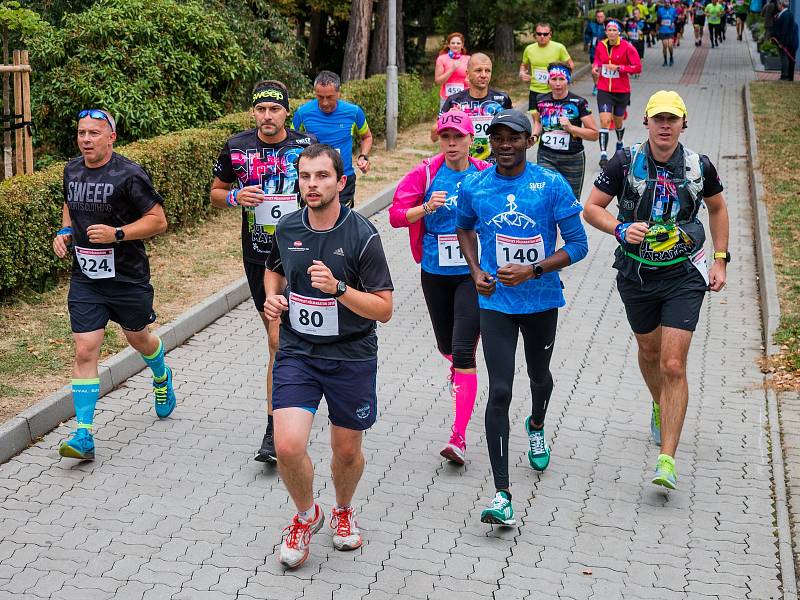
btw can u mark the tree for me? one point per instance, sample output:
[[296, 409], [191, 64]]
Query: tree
[[379, 44], [357, 45]]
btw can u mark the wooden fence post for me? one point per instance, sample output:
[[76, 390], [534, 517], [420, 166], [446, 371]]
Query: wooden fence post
[[19, 157], [26, 113]]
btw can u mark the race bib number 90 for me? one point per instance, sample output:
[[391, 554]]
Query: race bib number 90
[[557, 140], [519, 251], [481, 124], [274, 207], [96, 263], [315, 316]]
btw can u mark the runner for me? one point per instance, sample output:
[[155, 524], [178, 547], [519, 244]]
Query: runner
[[327, 283], [425, 202], [450, 72], [561, 122], [535, 59], [715, 12], [516, 209], [256, 170], [698, 21], [334, 121], [634, 29], [480, 102], [666, 31], [110, 206], [652, 23], [594, 33], [616, 59], [740, 9], [680, 21], [662, 271]]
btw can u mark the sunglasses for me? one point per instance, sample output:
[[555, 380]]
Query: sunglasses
[[543, 33], [96, 113]]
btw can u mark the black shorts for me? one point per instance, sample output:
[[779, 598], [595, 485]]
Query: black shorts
[[348, 386], [610, 102], [699, 22], [666, 36], [741, 17], [348, 195], [671, 302], [255, 279], [93, 304], [532, 97]]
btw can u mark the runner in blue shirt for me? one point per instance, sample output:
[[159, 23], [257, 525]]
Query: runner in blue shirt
[[666, 31], [334, 122], [516, 209]]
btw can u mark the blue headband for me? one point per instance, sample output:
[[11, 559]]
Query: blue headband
[[561, 71]]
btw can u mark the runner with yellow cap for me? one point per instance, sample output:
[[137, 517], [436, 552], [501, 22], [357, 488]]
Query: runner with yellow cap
[[662, 271]]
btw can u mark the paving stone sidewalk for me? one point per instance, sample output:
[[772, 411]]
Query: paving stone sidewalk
[[178, 509]]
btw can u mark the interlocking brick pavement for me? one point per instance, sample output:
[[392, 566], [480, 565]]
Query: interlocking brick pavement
[[178, 509]]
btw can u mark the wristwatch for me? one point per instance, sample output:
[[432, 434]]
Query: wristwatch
[[341, 288], [538, 271], [119, 234], [726, 256]]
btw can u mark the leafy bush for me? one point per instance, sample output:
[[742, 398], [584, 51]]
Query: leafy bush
[[157, 65], [613, 11], [768, 48]]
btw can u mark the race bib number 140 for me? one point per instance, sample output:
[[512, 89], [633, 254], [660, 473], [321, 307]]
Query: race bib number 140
[[520, 251]]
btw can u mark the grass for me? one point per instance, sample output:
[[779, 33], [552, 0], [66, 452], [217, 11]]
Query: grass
[[779, 153]]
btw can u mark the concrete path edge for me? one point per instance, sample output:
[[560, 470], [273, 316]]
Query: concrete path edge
[[31, 424], [770, 317]]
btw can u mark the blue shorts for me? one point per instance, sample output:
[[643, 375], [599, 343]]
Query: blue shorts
[[348, 386]]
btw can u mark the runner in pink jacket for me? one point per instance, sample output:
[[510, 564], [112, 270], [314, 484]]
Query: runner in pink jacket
[[426, 203]]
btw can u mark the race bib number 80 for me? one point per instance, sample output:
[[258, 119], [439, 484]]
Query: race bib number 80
[[96, 263], [315, 316], [520, 251]]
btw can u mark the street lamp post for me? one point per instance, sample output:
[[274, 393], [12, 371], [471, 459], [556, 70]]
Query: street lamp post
[[391, 79]]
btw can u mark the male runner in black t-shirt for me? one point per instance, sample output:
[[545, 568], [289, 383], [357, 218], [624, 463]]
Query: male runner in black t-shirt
[[110, 207], [256, 170], [662, 273], [328, 282]]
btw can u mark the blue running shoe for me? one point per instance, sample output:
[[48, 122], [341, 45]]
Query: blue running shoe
[[80, 445], [165, 396], [655, 423], [539, 453]]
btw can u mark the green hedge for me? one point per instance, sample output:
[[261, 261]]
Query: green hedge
[[180, 164]]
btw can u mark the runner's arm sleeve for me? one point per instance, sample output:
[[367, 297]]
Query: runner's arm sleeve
[[446, 106], [223, 168], [141, 191], [611, 178], [465, 217], [711, 183], [584, 110], [507, 103], [297, 122], [634, 63], [273, 260], [576, 244], [361, 122], [373, 268]]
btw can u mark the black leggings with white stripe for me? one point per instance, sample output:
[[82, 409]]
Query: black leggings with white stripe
[[499, 333]]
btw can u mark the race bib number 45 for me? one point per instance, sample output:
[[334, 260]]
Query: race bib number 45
[[520, 251], [274, 207], [315, 316], [96, 263]]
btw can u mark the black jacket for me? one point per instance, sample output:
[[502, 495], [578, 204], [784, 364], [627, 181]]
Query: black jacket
[[785, 31]]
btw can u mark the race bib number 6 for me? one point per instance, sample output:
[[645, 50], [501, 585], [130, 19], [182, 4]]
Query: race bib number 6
[[315, 316], [519, 251], [274, 207], [96, 263]]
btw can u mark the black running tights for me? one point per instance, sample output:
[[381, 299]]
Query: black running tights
[[499, 333]]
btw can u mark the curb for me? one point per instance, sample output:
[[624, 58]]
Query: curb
[[31, 424], [770, 318]]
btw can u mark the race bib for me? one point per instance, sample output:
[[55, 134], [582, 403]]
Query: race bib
[[557, 140], [520, 251], [633, 34], [699, 261], [274, 207], [453, 88], [449, 251], [666, 22], [609, 73], [315, 316], [541, 75], [96, 263], [481, 124]]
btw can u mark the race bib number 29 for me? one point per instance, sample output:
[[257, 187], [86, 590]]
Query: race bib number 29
[[315, 316], [519, 251], [96, 263]]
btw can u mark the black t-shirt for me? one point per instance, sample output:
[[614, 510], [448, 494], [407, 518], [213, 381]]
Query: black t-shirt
[[316, 324], [116, 194], [246, 160], [554, 138], [480, 111]]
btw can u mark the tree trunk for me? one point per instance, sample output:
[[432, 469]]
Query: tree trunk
[[319, 21], [357, 45], [401, 39], [504, 44], [379, 44]]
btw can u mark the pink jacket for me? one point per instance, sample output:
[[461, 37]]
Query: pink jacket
[[411, 191], [624, 55]]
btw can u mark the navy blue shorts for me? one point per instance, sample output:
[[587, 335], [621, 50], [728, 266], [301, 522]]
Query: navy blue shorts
[[93, 304], [348, 386]]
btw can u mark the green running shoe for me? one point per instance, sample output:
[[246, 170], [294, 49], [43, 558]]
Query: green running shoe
[[165, 396], [500, 512], [539, 453], [80, 445], [655, 423], [665, 472]]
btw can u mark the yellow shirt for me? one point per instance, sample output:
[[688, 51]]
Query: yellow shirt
[[537, 58]]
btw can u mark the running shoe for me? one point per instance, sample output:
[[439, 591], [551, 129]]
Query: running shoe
[[346, 535], [456, 449], [165, 396], [620, 145], [594, 91], [294, 548], [80, 445], [539, 453], [671, 61], [665, 472], [655, 423], [603, 160], [267, 451], [664, 64], [500, 512]]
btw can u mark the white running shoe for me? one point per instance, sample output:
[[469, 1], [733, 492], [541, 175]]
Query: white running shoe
[[346, 534], [294, 549]]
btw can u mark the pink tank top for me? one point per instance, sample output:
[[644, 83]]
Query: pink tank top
[[458, 80]]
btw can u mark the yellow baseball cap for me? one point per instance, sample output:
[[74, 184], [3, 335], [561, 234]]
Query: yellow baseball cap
[[665, 101]]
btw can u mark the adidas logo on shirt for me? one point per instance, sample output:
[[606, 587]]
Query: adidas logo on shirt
[[338, 252]]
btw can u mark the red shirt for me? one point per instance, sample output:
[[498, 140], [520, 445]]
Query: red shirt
[[625, 56]]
